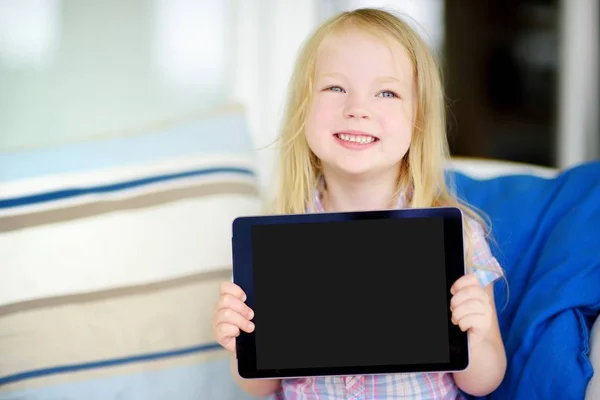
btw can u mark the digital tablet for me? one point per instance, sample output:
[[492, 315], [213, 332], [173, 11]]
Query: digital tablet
[[356, 293]]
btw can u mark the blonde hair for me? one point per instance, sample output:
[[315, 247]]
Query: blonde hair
[[422, 168]]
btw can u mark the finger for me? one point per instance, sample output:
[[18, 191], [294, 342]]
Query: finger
[[472, 321], [471, 307], [230, 345], [227, 331], [229, 316], [468, 293], [464, 281], [232, 289], [226, 336], [234, 303]]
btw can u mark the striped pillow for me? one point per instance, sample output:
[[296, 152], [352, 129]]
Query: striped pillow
[[112, 253]]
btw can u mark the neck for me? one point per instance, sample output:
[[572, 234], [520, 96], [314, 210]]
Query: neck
[[345, 194]]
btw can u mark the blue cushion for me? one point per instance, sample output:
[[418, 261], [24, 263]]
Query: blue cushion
[[547, 234]]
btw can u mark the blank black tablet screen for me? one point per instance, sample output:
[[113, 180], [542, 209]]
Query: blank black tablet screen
[[351, 293]]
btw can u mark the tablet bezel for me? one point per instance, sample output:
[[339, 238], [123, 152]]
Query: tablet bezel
[[243, 276]]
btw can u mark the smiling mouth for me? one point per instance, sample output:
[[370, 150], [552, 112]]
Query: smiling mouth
[[356, 138]]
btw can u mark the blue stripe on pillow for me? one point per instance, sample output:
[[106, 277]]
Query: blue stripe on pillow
[[115, 187], [105, 363], [201, 380]]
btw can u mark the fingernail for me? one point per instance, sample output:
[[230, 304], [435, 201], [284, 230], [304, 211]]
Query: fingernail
[[250, 314], [245, 297], [251, 326]]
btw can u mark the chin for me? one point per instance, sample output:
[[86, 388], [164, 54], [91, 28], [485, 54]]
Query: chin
[[355, 170]]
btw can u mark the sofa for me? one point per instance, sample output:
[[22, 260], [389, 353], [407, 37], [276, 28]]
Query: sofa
[[113, 251]]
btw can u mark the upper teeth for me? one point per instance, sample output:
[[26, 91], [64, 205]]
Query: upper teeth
[[357, 139]]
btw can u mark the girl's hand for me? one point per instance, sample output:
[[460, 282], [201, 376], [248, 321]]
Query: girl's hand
[[231, 315], [471, 308]]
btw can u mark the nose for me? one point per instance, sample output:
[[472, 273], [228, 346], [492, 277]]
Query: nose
[[356, 109]]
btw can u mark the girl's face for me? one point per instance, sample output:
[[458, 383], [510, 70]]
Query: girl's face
[[364, 104]]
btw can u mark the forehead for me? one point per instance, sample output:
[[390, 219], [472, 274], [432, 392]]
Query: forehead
[[365, 53]]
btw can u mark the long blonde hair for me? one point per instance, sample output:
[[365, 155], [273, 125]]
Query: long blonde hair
[[422, 168]]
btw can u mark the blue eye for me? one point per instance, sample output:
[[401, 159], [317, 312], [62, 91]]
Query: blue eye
[[335, 89], [388, 93]]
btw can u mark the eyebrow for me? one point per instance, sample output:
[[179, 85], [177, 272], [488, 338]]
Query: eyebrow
[[330, 75], [385, 79], [381, 79]]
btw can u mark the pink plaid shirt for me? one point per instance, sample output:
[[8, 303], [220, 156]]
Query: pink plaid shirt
[[415, 386]]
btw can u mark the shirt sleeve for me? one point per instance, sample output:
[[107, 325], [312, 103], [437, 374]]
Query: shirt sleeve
[[485, 266]]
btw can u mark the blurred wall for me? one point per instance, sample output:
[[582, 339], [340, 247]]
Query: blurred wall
[[75, 69]]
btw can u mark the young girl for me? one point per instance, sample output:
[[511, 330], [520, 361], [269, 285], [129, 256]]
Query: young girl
[[365, 130]]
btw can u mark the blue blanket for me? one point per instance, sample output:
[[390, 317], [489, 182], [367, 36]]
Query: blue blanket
[[547, 234]]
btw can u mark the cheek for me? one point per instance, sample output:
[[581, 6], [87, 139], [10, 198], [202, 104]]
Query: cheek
[[399, 121], [320, 116]]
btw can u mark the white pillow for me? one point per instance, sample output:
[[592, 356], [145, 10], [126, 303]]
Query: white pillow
[[490, 168]]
